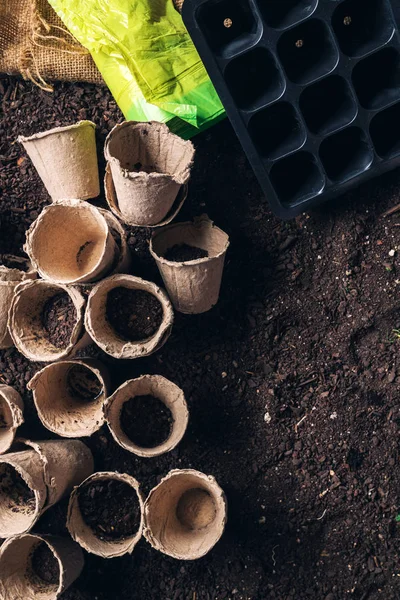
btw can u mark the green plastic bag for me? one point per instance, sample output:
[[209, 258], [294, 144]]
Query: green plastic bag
[[147, 59]]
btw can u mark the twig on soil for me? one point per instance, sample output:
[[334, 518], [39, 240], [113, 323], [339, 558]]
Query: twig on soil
[[322, 516], [391, 211], [299, 422], [194, 595], [273, 554], [303, 383]]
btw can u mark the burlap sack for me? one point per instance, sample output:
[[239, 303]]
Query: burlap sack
[[159, 387], [9, 279], [193, 286], [149, 165], [11, 416], [35, 43], [67, 397], [17, 578], [25, 321], [185, 514], [84, 535]]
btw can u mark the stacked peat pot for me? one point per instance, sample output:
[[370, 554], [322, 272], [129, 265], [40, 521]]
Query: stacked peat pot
[[76, 289]]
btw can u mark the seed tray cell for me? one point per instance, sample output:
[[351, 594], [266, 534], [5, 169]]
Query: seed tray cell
[[312, 88]]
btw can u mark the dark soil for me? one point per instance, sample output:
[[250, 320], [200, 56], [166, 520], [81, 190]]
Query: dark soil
[[139, 168], [44, 564], [9, 261], [146, 421], [19, 494], [184, 252], [83, 384], [59, 319], [110, 508], [292, 379], [134, 314]]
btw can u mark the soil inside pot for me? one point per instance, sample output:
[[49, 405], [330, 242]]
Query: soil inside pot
[[3, 420], [83, 384], [146, 420], [110, 508], [59, 319], [134, 314], [140, 168], [15, 494], [184, 253], [44, 564]]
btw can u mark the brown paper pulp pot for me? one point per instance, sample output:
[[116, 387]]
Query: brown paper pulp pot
[[11, 416], [84, 535], [17, 578], [112, 202], [25, 321], [50, 469], [70, 242], [123, 258], [66, 396], [159, 387], [66, 160], [185, 514], [9, 279], [145, 197], [194, 285], [106, 337]]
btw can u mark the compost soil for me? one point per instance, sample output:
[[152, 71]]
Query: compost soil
[[184, 252], [59, 319], [146, 420], [134, 314], [20, 495], [83, 384], [292, 379], [110, 508], [44, 564]]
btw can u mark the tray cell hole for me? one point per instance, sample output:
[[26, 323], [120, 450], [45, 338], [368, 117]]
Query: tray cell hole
[[328, 105], [385, 132], [277, 130], [346, 154], [280, 14], [307, 51], [376, 79], [362, 25], [228, 25], [296, 178], [254, 78]]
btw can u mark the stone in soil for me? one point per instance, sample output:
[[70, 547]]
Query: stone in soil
[[184, 253], [146, 420], [83, 384], [134, 314], [110, 508], [15, 491], [44, 564], [59, 319]]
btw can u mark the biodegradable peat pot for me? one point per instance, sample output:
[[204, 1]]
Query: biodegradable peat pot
[[93, 537], [174, 426], [149, 164], [70, 242], [122, 259], [11, 416], [23, 576], [112, 202], [192, 285], [10, 276], [35, 477], [112, 316], [30, 314], [69, 396], [185, 514], [66, 160]]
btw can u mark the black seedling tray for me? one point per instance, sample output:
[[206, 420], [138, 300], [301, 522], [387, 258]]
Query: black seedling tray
[[312, 88]]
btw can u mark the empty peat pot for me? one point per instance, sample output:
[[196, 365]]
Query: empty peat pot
[[13, 272], [122, 258], [11, 415], [35, 477], [185, 514], [105, 514], [148, 415], [46, 320], [112, 202], [38, 567], [149, 165], [66, 160], [128, 317], [190, 258], [69, 396], [70, 242]]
